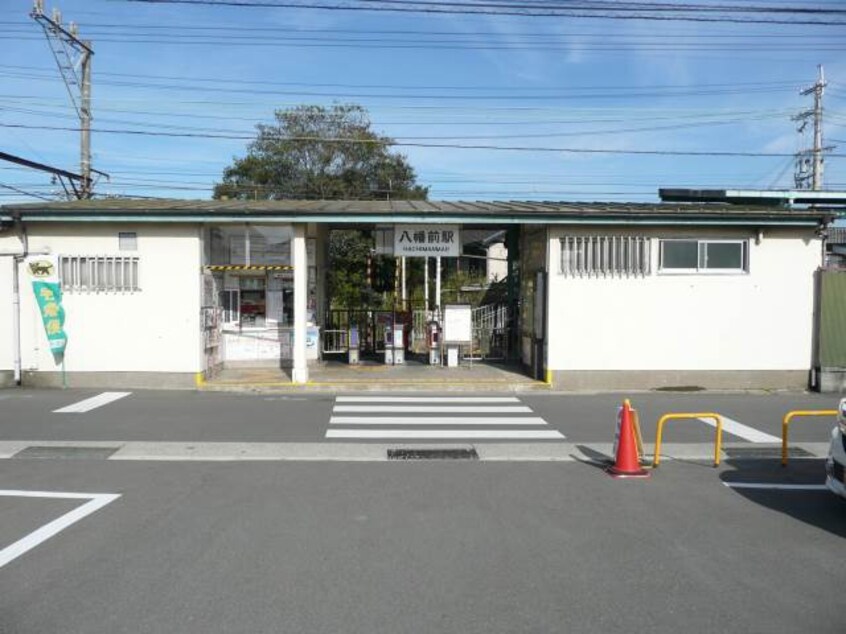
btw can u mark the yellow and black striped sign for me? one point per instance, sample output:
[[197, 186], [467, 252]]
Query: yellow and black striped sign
[[249, 267]]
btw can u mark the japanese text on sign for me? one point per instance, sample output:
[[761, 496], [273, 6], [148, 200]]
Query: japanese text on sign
[[431, 240]]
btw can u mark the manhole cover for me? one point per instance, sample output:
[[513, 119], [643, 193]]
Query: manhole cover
[[432, 454], [73, 453], [765, 452]]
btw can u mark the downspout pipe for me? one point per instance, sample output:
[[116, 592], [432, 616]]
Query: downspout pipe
[[16, 299], [17, 258]]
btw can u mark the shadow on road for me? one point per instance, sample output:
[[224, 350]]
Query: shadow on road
[[818, 508]]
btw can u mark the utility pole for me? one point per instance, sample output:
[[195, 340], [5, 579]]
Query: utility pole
[[73, 57], [810, 162]]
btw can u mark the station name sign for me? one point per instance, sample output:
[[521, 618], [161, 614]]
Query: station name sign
[[427, 240]]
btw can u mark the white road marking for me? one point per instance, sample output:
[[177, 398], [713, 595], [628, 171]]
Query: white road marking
[[768, 485], [740, 430], [427, 409], [427, 399], [96, 501], [430, 434], [92, 403], [436, 420]]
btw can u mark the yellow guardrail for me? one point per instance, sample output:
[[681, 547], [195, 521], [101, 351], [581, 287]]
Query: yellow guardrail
[[789, 417], [718, 441]]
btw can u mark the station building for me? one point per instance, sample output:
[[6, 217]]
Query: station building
[[598, 296]]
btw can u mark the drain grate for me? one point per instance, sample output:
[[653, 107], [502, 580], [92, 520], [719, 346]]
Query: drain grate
[[752, 453], [60, 453], [432, 454]]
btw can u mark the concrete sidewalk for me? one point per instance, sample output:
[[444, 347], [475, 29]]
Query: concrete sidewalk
[[596, 453], [369, 376]]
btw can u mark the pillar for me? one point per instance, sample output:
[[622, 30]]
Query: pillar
[[299, 373], [438, 282]]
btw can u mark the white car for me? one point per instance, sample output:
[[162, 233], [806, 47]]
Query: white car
[[835, 465]]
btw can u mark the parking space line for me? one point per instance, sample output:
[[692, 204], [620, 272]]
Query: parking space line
[[770, 485], [731, 426], [91, 403], [96, 501]]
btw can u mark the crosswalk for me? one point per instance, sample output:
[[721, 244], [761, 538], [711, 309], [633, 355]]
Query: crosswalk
[[422, 418]]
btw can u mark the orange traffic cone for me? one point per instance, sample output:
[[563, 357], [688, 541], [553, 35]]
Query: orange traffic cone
[[627, 462]]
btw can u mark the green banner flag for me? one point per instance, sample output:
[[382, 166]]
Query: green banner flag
[[48, 294]]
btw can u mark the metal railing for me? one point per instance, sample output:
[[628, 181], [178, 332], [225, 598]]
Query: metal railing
[[335, 341], [491, 333]]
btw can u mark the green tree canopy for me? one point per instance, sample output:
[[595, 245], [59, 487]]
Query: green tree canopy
[[323, 153]]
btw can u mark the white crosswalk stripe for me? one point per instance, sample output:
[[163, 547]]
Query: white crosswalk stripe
[[427, 399], [442, 409], [421, 418], [436, 420]]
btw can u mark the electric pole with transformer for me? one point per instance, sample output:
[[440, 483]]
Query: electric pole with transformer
[[73, 57]]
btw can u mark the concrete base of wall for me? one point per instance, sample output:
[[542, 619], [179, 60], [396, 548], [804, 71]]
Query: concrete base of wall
[[831, 380], [136, 380], [618, 380], [7, 378], [265, 363]]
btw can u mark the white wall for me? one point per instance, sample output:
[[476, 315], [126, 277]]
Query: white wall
[[156, 329], [759, 321]]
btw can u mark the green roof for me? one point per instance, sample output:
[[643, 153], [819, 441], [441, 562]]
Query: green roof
[[390, 211]]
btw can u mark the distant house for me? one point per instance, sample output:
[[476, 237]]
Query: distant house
[[835, 247]]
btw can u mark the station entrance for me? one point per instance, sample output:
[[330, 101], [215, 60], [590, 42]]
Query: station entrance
[[403, 298], [418, 296]]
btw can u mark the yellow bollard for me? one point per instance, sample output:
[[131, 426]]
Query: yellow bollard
[[718, 441], [790, 416]]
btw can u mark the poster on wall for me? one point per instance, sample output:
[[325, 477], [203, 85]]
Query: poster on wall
[[458, 323], [44, 271]]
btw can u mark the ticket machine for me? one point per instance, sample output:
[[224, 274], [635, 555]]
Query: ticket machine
[[352, 346], [394, 345], [433, 342]]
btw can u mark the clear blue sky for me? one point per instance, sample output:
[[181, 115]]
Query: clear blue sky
[[531, 82]]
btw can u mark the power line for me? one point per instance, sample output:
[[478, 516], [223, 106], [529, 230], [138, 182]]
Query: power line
[[391, 142], [25, 193], [564, 96], [223, 31], [647, 11], [454, 137], [739, 86], [702, 118]]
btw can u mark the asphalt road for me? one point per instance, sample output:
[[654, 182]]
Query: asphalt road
[[423, 547], [261, 417]]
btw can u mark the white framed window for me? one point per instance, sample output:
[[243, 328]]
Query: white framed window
[[99, 273], [704, 256], [606, 256], [127, 241]]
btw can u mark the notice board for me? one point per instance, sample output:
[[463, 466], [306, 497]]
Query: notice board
[[458, 323]]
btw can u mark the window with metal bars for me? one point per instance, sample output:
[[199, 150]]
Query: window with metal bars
[[608, 256], [99, 273]]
